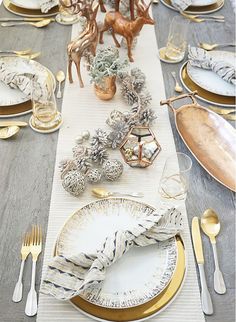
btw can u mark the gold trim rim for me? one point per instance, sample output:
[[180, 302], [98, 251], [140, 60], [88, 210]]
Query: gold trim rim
[[212, 98], [202, 9], [28, 12], [157, 304]]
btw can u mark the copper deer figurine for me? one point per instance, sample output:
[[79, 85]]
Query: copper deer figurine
[[86, 42], [129, 29]]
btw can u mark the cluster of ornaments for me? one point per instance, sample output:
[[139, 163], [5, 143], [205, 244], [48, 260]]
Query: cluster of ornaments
[[89, 164]]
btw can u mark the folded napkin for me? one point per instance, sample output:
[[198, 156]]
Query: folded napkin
[[181, 5], [46, 5], [22, 76], [68, 277], [200, 58]]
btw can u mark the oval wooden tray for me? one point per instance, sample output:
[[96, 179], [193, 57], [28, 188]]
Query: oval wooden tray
[[210, 138]]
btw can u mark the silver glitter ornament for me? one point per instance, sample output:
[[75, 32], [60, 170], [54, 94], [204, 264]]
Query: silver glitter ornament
[[74, 182], [112, 169], [85, 135], [79, 139], [94, 175]]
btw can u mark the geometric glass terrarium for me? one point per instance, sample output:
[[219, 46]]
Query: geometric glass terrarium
[[140, 147]]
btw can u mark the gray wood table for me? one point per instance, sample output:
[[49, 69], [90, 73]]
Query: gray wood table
[[27, 165]]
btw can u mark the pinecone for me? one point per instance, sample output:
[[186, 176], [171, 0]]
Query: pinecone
[[83, 164], [128, 92], [147, 116], [99, 139], [145, 98], [116, 137], [139, 79], [98, 154]]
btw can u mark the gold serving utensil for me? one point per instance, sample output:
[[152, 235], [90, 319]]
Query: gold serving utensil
[[104, 193], [195, 19], [35, 249], [32, 56], [38, 24], [178, 88], [16, 52], [210, 225], [221, 111], [13, 123], [209, 47], [8, 131], [60, 76], [25, 250]]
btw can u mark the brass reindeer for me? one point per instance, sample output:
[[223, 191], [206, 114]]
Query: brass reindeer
[[86, 42], [129, 29]]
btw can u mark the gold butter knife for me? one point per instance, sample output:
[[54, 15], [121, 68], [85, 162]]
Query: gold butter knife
[[207, 306], [13, 123]]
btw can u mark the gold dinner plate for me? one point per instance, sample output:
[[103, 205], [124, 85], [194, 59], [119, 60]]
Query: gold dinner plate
[[197, 10], [145, 310], [227, 101], [16, 110], [28, 12]]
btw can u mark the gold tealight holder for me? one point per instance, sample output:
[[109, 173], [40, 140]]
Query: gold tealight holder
[[140, 147]]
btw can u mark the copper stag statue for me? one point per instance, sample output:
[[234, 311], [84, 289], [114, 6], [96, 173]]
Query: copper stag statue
[[85, 42], [128, 28]]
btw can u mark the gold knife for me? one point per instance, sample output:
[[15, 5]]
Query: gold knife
[[24, 19], [13, 123], [207, 306]]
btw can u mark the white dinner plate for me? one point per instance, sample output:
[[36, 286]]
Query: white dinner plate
[[10, 96], [140, 275], [28, 4], [197, 10], [209, 80]]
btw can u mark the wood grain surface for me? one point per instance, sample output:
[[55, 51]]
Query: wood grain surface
[[27, 165]]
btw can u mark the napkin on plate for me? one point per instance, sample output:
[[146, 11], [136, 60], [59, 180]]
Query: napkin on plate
[[199, 57], [67, 277], [181, 5], [47, 5], [22, 75]]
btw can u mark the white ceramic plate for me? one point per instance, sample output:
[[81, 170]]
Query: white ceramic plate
[[140, 275], [30, 4], [30, 13], [9, 96], [209, 80], [198, 11]]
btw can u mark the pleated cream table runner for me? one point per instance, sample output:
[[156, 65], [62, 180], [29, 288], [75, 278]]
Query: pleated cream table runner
[[82, 110]]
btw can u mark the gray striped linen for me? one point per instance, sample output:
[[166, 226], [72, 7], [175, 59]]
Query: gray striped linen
[[68, 277], [200, 58]]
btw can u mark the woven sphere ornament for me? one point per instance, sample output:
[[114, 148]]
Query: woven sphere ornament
[[94, 175], [112, 169], [74, 182]]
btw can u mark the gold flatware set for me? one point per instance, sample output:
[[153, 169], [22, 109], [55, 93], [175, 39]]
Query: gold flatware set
[[210, 225], [36, 24], [28, 54], [227, 113], [210, 47], [32, 244], [10, 128], [202, 18]]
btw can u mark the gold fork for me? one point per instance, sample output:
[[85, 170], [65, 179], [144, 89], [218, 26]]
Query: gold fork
[[25, 250], [16, 52], [35, 249]]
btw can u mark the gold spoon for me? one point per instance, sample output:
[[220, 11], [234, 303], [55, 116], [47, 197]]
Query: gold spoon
[[207, 46], [178, 88], [38, 24], [8, 132], [103, 193], [210, 224], [60, 76]]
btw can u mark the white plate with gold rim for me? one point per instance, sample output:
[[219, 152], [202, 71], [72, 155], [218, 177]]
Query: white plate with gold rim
[[140, 275], [209, 80], [206, 9], [10, 96]]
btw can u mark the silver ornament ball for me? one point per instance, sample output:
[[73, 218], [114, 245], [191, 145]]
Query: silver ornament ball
[[85, 135], [74, 182], [94, 175], [112, 169]]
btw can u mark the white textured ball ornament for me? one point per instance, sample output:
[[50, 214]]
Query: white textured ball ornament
[[79, 139], [94, 175], [85, 135], [112, 169], [74, 182]]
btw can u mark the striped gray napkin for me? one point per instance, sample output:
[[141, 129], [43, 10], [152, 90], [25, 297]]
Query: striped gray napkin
[[68, 277], [199, 57], [181, 5], [47, 5]]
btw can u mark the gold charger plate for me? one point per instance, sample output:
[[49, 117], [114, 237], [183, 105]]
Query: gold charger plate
[[198, 10], [227, 101], [146, 310], [16, 110], [28, 12]]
